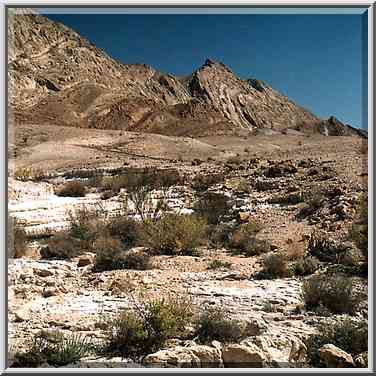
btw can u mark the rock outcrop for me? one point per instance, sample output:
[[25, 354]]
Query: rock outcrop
[[57, 77]]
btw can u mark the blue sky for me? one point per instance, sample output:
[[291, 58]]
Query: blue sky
[[316, 60]]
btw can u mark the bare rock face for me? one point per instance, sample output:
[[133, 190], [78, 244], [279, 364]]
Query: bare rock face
[[58, 77], [334, 357]]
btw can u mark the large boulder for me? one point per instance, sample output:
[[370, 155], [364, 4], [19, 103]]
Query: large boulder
[[334, 357], [194, 356], [244, 356]]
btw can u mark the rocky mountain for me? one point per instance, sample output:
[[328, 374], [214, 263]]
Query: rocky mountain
[[58, 77]]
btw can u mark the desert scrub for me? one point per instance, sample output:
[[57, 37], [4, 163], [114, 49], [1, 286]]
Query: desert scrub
[[359, 230], [202, 182], [144, 328], [61, 246], [175, 234], [275, 266], [219, 264], [54, 349], [243, 240], [212, 206], [108, 253], [127, 230], [220, 235], [214, 323], [306, 266], [23, 174], [348, 334], [17, 238], [72, 188], [315, 202], [332, 291], [322, 248]]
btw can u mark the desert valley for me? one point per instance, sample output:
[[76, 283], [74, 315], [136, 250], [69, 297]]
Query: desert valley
[[162, 221]]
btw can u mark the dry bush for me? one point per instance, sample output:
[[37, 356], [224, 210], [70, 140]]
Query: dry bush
[[348, 334], [321, 247], [72, 188], [127, 230], [109, 253], [17, 238], [359, 230], [306, 266], [213, 207], [275, 266], [175, 234], [244, 241], [234, 160], [61, 246], [220, 235], [334, 292], [214, 323], [219, 264], [146, 327], [202, 182]]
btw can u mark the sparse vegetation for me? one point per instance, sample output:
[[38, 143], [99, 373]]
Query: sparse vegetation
[[72, 188], [243, 240], [109, 253], [219, 264], [127, 230], [54, 349], [275, 265], [17, 238], [175, 234], [61, 246], [332, 291], [144, 329], [306, 266], [213, 206], [202, 182], [322, 248], [359, 230], [214, 323], [348, 334]]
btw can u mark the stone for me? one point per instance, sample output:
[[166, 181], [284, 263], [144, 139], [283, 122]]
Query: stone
[[241, 355], [334, 357], [21, 315], [195, 356], [42, 272], [46, 293], [85, 260]]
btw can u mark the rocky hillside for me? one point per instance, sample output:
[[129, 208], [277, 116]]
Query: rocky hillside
[[57, 77]]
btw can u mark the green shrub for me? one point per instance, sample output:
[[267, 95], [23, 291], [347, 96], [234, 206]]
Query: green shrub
[[275, 265], [215, 324], [17, 238], [145, 328], [347, 334], [175, 234], [54, 349], [213, 206], [72, 188], [334, 292]]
